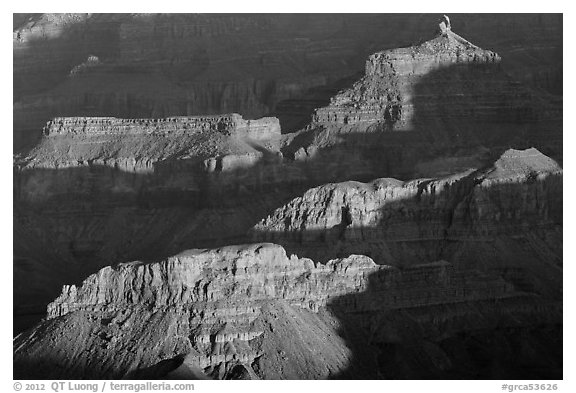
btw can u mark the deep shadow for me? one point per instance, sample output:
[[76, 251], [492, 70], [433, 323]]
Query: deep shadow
[[496, 316], [295, 113], [42, 88], [490, 338], [131, 86], [103, 225], [82, 222], [175, 368]]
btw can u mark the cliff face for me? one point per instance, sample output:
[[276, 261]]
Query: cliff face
[[201, 145], [386, 91], [176, 65], [114, 189], [424, 278], [428, 101], [232, 124], [253, 308], [252, 311], [508, 215], [232, 274]]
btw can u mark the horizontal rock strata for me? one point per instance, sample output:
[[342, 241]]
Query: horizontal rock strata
[[232, 124], [222, 308], [517, 201], [385, 93]]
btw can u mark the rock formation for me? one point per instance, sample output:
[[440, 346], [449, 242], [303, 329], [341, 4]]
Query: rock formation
[[187, 64], [226, 308], [232, 124], [385, 93], [445, 94], [489, 217], [234, 307], [454, 274], [107, 187]]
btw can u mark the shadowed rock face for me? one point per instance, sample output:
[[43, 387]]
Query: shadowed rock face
[[253, 307], [456, 274], [184, 64], [99, 191], [274, 316], [401, 223], [385, 93], [422, 102]]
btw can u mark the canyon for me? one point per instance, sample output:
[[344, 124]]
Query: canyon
[[163, 65], [406, 223]]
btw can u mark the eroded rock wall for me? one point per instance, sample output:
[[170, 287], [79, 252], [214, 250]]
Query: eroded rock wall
[[400, 223], [386, 92], [254, 307], [228, 124]]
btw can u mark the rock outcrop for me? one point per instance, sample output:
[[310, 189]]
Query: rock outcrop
[[229, 275], [136, 145], [386, 91], [187, 64], [231, 124], [105, 185], [488, 215], [453, 275], [255, 308], [113, 189], [425, 101]]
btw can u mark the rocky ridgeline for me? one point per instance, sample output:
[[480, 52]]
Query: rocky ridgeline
[[229, 124], [113, 190], [219, 309], [262, 272], [397, 222], [232, 274], [386, 92]]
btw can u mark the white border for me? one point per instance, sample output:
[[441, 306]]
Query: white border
[[299, 6]]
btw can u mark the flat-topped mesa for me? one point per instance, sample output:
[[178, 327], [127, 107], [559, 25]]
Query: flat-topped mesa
[[227, 124], [385, 93]]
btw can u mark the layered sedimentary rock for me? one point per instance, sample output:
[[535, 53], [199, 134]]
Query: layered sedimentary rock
[[252, 307], [253, 312], [508, 215], [257, 272], [111, 190], [231, 124], [385, 92], [139, 145], [425, 101], [108, 187], [170, 65], [453, 275]]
